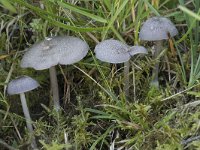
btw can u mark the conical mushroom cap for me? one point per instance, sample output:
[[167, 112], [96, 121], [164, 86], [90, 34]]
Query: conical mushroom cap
[[21, 85], [56, 50], [112, 51], [157, 28]]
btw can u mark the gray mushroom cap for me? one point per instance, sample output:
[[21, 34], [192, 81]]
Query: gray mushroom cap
[[157, 28], [134, 50], [55, 50], [112, 51], [21, 85]]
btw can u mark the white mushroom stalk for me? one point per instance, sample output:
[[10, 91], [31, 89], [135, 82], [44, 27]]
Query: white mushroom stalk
[[155, 71], [157, 29], [114, 51], [54, 87], [64, 50], [20, 86]]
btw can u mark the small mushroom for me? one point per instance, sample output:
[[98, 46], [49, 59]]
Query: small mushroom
[[46, 54], [20, 86], [157, 29], [114, 51]]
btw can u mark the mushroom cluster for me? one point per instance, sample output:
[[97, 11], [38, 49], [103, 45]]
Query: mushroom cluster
[[66, 50], [46, 54]]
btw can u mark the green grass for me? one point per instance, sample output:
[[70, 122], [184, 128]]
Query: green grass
[[95, 113]]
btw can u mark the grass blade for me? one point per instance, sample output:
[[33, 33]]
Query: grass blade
[[189, 12], [102, 137], [8, 5], [72, 28], [152, 8], [112, 20], [82, 12], [105, 90]]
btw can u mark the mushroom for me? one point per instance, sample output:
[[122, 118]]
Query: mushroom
[[46, 54], [19, 86], [157, 29], [114, 51]]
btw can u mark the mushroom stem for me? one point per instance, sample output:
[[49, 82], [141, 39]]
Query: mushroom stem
[[54, 87], [28, 119], [158, 47], [126, 78]]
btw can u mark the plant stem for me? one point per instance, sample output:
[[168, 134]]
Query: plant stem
[[54, 87], [126, 78], [158, 47], [28, 119]]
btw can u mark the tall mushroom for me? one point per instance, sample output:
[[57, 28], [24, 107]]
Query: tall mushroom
[[20, 86], [157, 29], [114, 51], [46, 54]]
